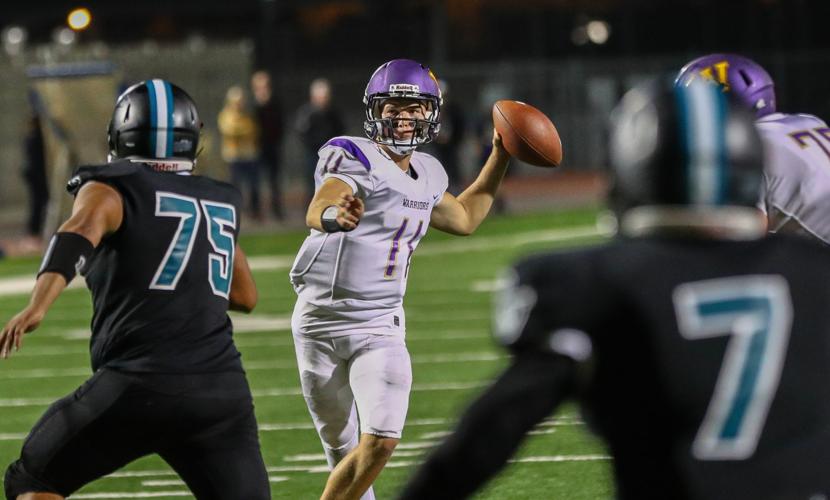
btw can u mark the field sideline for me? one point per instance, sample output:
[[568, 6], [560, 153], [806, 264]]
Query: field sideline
[[448, 316]]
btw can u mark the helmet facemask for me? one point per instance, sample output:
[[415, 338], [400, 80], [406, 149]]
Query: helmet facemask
[[382, 129]]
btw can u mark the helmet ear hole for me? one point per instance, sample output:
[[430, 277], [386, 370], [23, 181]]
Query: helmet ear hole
[[745, 77]]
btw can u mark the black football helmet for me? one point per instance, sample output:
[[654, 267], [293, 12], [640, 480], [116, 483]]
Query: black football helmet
[[684, 146], [154, 119]]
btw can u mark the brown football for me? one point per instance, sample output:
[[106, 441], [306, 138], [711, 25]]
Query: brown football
[[527, 134]]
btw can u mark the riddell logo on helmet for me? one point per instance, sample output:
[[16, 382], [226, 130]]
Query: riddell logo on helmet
[[165, 165], [404, 87]]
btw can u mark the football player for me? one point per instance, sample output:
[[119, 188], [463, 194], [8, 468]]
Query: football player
[[698, 348], [375, 198], [796, 188], [158, 247]]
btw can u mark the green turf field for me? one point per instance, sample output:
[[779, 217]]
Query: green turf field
[[448, 316]]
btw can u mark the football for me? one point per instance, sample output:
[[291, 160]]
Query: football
[[527, 134]]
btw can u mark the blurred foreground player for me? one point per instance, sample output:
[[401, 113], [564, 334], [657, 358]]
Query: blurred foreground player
[[796, 187], [158, 248], [698, 348]]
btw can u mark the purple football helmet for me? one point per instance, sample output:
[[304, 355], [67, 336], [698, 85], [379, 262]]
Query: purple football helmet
[[408, 79], [746, 79]]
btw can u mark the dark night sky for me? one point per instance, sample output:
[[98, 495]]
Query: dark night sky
[[308, 32]]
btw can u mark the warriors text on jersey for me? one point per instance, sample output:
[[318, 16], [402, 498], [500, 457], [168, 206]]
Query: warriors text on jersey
[[797, 174], [356, 280], [710, 359], [160, 283]]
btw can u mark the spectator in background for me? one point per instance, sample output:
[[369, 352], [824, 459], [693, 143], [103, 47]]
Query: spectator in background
[[447, 145], [34, 174], [240, 147], [270, 121], [317, 122]]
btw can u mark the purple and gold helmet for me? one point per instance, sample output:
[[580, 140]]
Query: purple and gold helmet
[[407, 79], [746, 79]]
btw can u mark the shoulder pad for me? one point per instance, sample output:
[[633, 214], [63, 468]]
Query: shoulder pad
[[87, 173], [353, 151], [812, 118]]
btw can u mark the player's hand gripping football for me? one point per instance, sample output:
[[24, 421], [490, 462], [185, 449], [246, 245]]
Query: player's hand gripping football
[[498, 145], [12, 334], [349, 211]]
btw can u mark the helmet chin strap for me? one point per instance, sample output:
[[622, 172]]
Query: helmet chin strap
[[402, 150]]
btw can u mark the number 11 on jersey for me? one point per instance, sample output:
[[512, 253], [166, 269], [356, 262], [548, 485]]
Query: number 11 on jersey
[[391, 263]]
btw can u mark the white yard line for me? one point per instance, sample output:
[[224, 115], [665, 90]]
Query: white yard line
[[446, 386], [19, 285], [124, 494], [420, 422], [15, 436], [22, 285], [265, 393], [392, 464], [270, 262], [308, 425], [45, 373], [457, 357], [483, 243], [561, 458]]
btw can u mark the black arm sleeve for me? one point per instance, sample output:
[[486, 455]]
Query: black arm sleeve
[[492, 428]]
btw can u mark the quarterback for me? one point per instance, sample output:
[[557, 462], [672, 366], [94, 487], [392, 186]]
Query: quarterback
[[375, 198]]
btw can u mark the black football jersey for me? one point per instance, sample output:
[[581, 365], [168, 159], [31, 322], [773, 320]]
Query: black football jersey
[[709, 360], [160, 283]]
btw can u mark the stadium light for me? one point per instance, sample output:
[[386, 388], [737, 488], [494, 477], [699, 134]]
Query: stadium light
[[79, 19], [14, 40], [63, 36], [598, 31]]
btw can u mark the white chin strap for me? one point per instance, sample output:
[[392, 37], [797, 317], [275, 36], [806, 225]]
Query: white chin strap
[[402, 150]]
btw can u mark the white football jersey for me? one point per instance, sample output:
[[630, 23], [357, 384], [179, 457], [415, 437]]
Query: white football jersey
[[355, 281], [796, 191]]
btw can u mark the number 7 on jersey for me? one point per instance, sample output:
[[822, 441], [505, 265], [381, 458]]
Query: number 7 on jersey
[[756, 312]]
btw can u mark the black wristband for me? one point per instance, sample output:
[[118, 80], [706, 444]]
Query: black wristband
[[67, 254], [329, 224]]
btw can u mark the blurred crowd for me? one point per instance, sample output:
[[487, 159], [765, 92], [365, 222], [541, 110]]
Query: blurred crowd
[[253, 133], [253, 125]]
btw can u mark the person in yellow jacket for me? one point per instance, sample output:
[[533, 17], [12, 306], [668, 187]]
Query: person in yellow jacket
[[240, 147]]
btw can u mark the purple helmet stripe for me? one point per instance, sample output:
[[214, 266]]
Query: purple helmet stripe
[[352, 149]]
